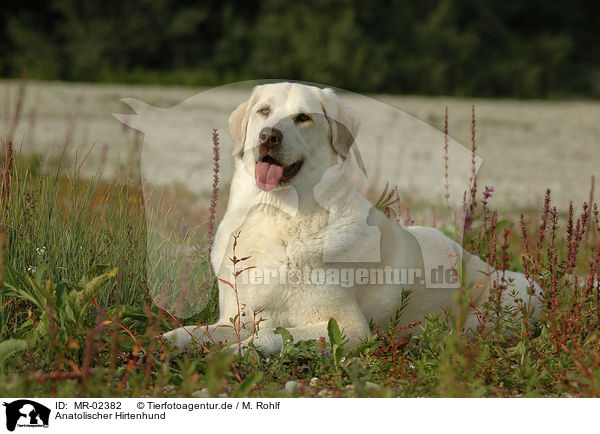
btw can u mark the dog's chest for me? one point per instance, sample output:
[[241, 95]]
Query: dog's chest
[[275, 239], [277, 245]]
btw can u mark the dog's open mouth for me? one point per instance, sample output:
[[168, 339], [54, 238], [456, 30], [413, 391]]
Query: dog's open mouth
[[270, 173]]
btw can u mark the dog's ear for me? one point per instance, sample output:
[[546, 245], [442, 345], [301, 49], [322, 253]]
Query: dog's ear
[[343, 121], [237, 127]]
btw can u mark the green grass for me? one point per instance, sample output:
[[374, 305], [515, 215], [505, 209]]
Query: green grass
[[75, 327]]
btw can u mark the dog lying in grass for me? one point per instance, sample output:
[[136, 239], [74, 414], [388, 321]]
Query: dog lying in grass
[[309, 246]]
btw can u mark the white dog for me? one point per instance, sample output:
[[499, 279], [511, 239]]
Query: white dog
[[319, 248]]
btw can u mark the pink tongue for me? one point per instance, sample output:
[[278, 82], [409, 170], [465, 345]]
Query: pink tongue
[[268, 175]]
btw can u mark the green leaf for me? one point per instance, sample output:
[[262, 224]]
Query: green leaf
[[247, 385], [60, 296], [13, 291], [69, 310], [91, 287], [94, 271], [128, 312], [286, 338], [335, 341], [41, 270], [42, 328], [335, 335], [338, 353], [285, 335], [38, 293], [11, 347], [20, 285]]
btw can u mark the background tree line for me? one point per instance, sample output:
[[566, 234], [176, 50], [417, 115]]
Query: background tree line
[[509, 48]]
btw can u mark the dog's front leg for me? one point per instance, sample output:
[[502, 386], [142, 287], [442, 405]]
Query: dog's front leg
[[189, 336]]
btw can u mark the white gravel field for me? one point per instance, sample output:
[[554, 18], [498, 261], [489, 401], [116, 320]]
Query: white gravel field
[[524, 146]]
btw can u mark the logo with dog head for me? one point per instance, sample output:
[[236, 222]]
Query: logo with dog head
[[26, 413]]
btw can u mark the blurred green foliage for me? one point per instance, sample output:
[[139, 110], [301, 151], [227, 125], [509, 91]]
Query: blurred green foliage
[[515, 48]]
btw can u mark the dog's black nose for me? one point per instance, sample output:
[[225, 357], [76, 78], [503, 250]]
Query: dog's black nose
[[270, 137]]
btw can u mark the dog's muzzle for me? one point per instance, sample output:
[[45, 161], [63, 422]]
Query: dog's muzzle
[[270, 171]]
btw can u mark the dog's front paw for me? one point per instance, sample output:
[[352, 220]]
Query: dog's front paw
[[267, 343], [241, 349]]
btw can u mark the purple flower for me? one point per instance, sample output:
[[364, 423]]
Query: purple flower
[[487, 194], [467, 220]]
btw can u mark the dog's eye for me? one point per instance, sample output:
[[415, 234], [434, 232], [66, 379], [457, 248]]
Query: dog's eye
[[265, 111], [302, 117]]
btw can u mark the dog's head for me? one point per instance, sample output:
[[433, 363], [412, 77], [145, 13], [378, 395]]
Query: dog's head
[[289, 133]]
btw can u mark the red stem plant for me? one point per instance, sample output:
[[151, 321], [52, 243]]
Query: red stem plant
[[237, 321]]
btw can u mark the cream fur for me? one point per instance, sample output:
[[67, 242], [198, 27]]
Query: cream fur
[[321, 221]]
